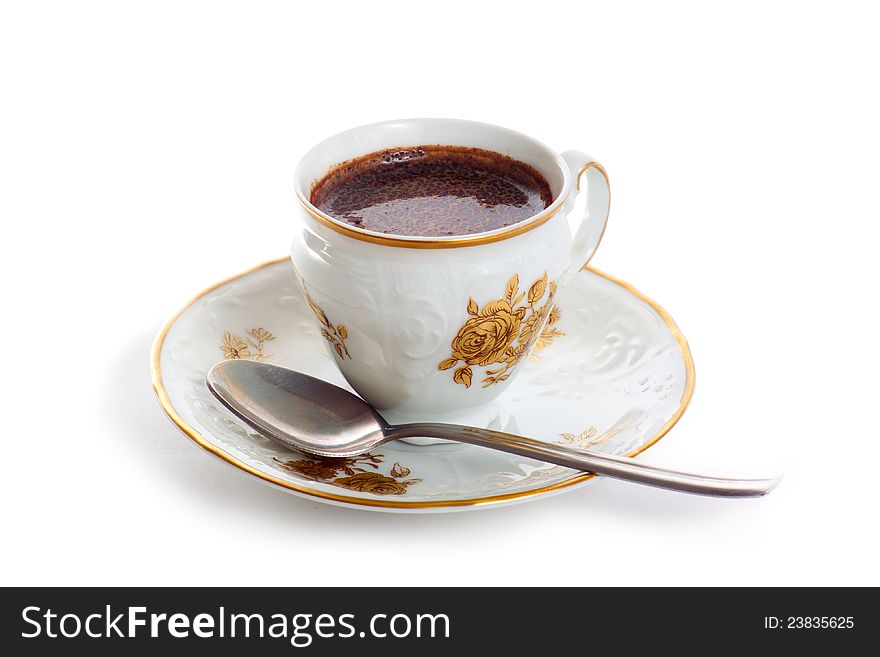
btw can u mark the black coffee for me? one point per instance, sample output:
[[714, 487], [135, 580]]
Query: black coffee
[[432, 191]]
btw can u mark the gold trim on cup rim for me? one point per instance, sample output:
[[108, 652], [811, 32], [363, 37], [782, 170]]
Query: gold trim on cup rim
[[199, 439]]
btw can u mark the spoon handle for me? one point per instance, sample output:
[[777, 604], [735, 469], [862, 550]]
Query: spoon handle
[[605, 464]]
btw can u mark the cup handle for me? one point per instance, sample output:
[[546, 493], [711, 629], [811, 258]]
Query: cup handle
[[588, 229]]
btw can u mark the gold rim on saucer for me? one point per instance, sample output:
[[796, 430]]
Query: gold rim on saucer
[[168, 407]]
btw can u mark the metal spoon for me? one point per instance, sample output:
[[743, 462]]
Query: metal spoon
[[313, 416]]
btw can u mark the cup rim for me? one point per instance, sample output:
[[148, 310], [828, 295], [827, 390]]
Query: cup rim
[[438, 242]]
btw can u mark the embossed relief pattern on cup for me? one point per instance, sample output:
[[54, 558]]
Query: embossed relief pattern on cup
[[411, 298]]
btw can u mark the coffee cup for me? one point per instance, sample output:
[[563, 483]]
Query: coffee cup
[[436, 327]]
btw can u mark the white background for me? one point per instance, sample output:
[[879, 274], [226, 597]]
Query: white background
[[147, 150]]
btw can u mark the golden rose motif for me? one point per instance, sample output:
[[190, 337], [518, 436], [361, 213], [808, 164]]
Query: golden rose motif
[[502, 333], [372, 482], [327, 470], [314, 470], [483, 339]]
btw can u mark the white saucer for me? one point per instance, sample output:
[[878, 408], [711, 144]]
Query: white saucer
[[614, 375]]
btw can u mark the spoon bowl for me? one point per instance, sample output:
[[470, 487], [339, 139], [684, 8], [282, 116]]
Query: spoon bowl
[[298, 410]]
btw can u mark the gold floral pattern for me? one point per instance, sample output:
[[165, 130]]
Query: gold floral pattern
[[582, 439], [591, 437], [503, 332], [550, 333], [235, 347], [335, 335], [349, 473], [357, 476], [372, 482]]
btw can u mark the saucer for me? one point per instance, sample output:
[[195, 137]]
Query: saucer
[[611, 373]]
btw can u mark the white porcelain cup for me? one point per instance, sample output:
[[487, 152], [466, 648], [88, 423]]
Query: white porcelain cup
[[435, 328]]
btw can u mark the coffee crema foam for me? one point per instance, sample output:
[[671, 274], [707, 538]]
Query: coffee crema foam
[[432, 191]]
